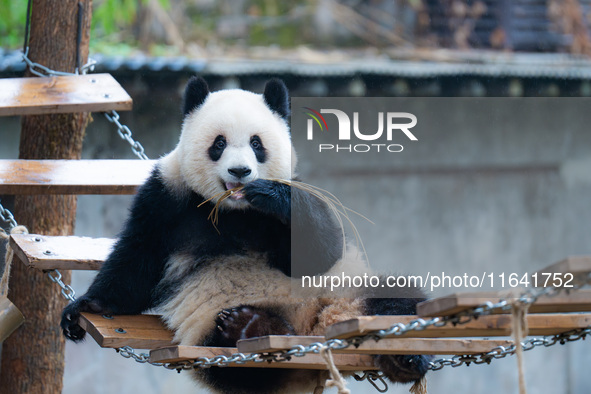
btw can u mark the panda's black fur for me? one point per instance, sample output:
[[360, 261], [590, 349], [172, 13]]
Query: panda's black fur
[[169, 253]]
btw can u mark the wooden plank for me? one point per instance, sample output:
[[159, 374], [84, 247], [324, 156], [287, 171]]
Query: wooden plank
[[76, 93], [64, 253], [344, 362], [73, 176], [575, 301], [484, 326], [137, 331], [579, 266], [273, 343]]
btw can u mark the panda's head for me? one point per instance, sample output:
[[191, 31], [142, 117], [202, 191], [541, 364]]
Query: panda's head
[[232, 137]]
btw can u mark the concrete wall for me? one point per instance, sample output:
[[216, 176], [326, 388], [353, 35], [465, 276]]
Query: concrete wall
[[497, 198]]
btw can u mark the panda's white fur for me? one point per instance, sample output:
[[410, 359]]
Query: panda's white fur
[[249, 280]]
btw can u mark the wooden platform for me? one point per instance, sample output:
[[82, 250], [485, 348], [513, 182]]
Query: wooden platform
[[148, 332], [344, 362], [73, 176], [484, 326], [67, 94], [273, 343], [61, 252]]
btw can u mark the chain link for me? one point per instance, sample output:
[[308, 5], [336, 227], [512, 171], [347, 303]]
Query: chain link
[[502, 352], [373, 377], [125, 133], [67, 291], [112, 116], [7, 217], [43, 71]]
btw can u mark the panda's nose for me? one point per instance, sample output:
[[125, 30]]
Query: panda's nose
[[240, 172]]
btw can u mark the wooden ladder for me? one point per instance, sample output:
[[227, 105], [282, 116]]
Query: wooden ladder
[[100, 92]]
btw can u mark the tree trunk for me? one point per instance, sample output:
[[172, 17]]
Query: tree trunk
[[33, 356]]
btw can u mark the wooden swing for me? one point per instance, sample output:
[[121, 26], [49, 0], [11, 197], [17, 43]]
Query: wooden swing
[[100, 92]]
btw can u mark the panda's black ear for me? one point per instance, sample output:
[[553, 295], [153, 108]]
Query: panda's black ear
[[195, 94], [277, 97]]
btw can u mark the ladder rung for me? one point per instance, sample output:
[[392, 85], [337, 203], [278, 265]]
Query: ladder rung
[[73, 176], [61, 252], [65, 94]]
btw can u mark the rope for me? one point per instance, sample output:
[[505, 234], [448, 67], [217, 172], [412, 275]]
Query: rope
[[419, 387], [336, 379], [519, 332], [8, 257]]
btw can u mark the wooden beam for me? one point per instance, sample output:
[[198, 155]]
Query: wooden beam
[[73, 176], [273, 343], [575, 301], [67, 94], [137, 331], [344, 362], [484, 326], [58, 252]]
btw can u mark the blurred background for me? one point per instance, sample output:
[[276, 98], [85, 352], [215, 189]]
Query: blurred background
[[496, 196]]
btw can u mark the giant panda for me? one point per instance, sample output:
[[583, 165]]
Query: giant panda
[[217, 284]]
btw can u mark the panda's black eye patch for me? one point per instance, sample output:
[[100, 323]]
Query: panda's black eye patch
[[259, 150], [217, 148]]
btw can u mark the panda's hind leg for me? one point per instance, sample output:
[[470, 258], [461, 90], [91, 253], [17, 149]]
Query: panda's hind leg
[[248, 322]]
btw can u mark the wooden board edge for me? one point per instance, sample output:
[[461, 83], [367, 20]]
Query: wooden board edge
[[91, 329]]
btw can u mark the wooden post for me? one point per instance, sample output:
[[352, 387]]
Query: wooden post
[[33, 356]]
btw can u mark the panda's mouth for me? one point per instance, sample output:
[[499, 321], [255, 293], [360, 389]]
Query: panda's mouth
[[234, 194]]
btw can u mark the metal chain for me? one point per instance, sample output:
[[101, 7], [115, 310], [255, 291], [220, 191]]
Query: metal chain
[[502, 352], [7, 217], [125, 133], [112, 116], [42, 71], [419, 324], [372, 377], [67, 291]]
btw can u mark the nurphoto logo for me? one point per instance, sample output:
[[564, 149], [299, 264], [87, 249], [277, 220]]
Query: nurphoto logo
[[395, 123]]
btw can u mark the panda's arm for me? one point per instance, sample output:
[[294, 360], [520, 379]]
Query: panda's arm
[[316, 239], [125, 283]]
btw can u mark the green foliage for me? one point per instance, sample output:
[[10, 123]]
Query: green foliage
[[12, 23], [109, 19]]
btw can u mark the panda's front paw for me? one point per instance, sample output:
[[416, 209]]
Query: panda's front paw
[[271, 197], [71, 317], [403, 369]]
